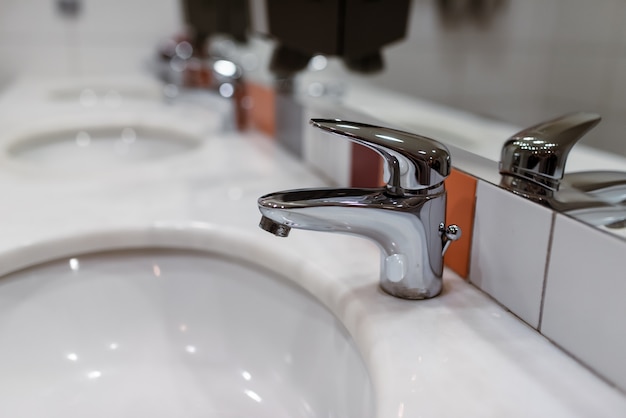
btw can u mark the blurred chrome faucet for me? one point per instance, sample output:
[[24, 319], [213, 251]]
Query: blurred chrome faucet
[[211, 82], [181, 66], [406, 217]]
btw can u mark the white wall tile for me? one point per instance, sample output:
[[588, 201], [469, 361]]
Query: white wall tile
[[33, 60], [517, 76], [31, 21], [529, 22], [609, 134], [327, 153], [584, 307], [422, 24], [580, 76], [509, 250], [584, 22], [619, 27], [616, 99], [114, 59], [330, 155], [435, 71], [106, 37]]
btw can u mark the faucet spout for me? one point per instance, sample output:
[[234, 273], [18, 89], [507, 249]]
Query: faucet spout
[[408, 230]]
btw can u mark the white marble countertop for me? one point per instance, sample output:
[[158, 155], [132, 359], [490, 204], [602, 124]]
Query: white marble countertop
[[460, 354]]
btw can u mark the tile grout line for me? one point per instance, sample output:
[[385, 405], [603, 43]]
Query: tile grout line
[[471, 244], [545, 271]]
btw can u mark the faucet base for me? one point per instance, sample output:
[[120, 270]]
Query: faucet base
[[413, 294]]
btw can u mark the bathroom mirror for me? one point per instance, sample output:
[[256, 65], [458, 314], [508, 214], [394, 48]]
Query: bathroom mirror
[[507, 64], [515, 62], [520, 62]]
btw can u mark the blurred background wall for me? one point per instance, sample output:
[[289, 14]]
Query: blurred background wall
[[521, 61], [530, 60], [105, 36]]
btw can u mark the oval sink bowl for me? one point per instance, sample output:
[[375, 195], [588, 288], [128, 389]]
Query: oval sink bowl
[[109, 95], [108, 91], [171, 333], [100, 146]]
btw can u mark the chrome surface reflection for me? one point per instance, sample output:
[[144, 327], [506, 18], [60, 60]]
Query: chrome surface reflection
[[406, 218], [533, 162]]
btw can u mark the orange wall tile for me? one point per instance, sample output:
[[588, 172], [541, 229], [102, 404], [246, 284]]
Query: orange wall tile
[[366, 169], [260, 102], [461, 190]]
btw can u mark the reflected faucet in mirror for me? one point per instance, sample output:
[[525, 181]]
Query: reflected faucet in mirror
[[533, 162], [199, 59], [190, 53], [179, 67], [405, 218]]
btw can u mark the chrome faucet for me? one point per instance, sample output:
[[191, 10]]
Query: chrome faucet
[[406, 217], [532, 164], [533, 160]]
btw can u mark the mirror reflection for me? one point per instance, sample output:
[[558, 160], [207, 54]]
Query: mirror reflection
[[520, 62], [493, 67]]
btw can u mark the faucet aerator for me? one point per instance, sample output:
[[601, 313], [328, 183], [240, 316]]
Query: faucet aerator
[[273, 227]]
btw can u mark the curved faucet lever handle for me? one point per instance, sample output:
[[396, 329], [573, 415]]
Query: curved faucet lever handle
[[539, 153], [413, 162]]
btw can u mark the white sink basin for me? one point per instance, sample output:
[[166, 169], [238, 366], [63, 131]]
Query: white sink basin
[[100, 146], [108, 94], [169, 333], [84, 91]]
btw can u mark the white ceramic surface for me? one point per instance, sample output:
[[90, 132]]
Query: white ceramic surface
[[65, 140], [100, 147], [510, 249], [107, 93], [457, 355], [165, 333], [584, 286], [84, 91]]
